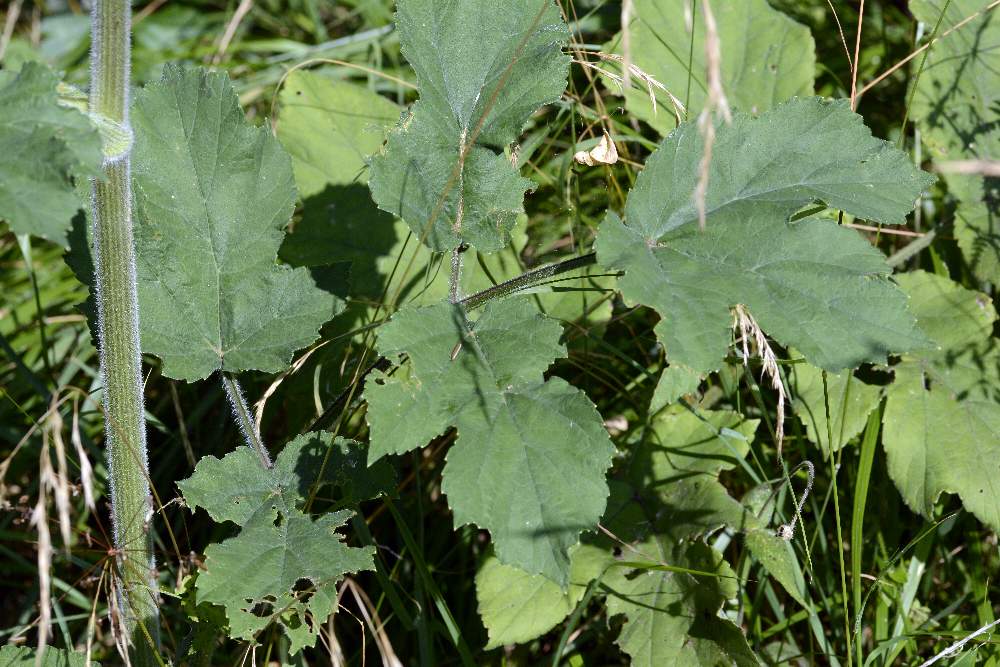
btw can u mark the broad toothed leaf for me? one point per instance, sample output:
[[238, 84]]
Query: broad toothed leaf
[[811, 284], [530, 458], [283, 566], [43, 146], [482, 69], [767, 58], [942, 417], [213, 194]]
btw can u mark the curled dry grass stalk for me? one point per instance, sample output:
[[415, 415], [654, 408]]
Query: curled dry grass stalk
[[716, 105], [751, 336], [629, 70]]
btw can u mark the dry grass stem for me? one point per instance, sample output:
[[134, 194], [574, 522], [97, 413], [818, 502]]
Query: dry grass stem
[[971, 167], [628, 9], [716, 105], [649, 82], [751, 336]]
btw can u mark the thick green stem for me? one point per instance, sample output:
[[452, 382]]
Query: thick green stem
[[118, 329], [244, 418]]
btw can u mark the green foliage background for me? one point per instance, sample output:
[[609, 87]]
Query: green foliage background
[[424, 559]]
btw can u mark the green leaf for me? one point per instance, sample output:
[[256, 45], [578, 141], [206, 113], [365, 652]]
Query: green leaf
[[43, 147], [672, 500], [849, 405], [22, 656], [237, 487], [283, 566], [330, 128], [767, 58], [517, 607], [213, 194], [942, 418], [671, 617], [810, 284], [957, 106], [675, 381], [482, 69], [679, 461], [778, 558], [531, 454]]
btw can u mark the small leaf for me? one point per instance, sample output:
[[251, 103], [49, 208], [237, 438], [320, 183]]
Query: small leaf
[[811, 284], [43, 147], [482, 69], [283, 566], [531, 455], [767, 58], [517, 607], [330, 128], [942, 418], [213, 194]]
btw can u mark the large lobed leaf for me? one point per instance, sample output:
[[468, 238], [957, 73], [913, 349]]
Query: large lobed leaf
[[811, 284], [767, 57], [43, 146], [942, 417], [531, 454], [482, 69], [284, 566], [957, 106], [212, 196]]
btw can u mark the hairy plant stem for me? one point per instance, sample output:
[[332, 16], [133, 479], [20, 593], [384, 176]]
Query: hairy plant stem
[[244, 418], [476, 300], [118, 333], [527, 279]]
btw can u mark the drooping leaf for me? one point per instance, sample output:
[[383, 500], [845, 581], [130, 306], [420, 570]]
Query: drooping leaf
[[810, 284], [43, 147], [213, 194], [767, 58], [942, 419], [482, 69], [957, 107], [517, 607], [679, 460], [671, 617], [284, 566], [330, 128], [22, 656], [848, 399], [531, 454]]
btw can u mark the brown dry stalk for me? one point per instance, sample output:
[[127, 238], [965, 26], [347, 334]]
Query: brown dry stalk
[[715, 105]]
